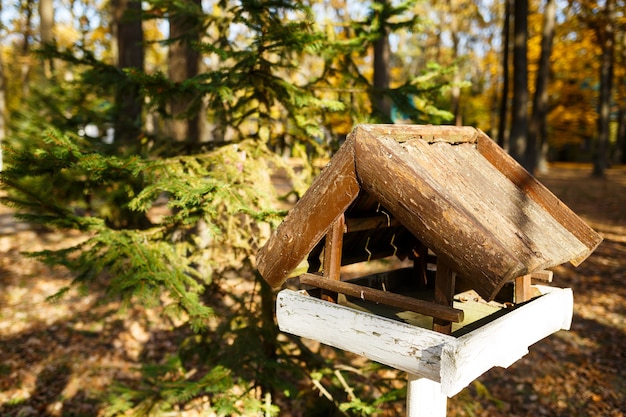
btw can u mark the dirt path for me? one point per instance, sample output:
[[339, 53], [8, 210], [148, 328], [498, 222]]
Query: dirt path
[[56, 358]]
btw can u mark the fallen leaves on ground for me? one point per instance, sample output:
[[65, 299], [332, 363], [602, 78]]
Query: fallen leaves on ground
[[57, 358]]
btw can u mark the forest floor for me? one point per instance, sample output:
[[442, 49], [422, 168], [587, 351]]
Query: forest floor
[[56, 357]]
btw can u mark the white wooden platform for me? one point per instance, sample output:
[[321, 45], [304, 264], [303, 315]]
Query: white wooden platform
[[453, 362]]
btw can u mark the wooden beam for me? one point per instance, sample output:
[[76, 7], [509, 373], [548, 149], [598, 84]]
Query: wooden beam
[[505, 340], [358, 224], [427, 133], [545, 276], [387, 298], [444, 294], [391, 342], [523, 291], [332, 249], [455, 362], [329, 196]]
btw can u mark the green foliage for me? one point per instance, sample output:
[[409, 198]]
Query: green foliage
[[358, 392], [165, 386], [172, 224]]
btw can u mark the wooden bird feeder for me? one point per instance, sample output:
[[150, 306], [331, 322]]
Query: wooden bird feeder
[[475, 229]]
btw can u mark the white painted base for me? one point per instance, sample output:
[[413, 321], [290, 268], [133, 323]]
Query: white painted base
[[424, 398], [453, 362]]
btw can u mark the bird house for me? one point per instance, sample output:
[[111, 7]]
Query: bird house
[[470, 228]]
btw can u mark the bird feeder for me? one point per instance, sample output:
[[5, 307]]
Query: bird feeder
[[474, 232]]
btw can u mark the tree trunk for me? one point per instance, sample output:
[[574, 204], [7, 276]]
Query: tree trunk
[[27, 33], [606, 36], [382, 101], [620, 147], [504, 104], [130, 54], [519, 124], [3, 113], [456, 90], [128, 33], [46, 23], [537, 129], [183, 64]]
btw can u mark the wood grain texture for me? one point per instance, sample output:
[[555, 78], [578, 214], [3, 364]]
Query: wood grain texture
[[541, 195], [506, 339], [443, 312], [421, 200], [332, 249], [450, 188], [426, 133], [454, 362], [383, 340], [329, 196], [444, 295]]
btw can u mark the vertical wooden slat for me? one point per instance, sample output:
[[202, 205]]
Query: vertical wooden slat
[[332, 250], [444, 294], [522, 289]]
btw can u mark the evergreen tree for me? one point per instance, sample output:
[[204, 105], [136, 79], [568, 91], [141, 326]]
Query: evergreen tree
[[62, 175]]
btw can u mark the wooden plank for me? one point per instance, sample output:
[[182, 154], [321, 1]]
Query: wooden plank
[[427, 133], [444, 294], [523, 290], [393, 343], [424, 398], [332, 249], [539, 193], [358, 224], [505, 340], [329, 196], [433, 215], [455, 362], [542, 275], [529, 231], [382, 297]]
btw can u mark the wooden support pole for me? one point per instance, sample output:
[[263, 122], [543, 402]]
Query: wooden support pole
[[424, 398], [523, 291], [428, 308], [444, 294], [332, 256], [332, 250]]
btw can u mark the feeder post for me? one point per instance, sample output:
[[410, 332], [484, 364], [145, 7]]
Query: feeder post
[[424, 398]]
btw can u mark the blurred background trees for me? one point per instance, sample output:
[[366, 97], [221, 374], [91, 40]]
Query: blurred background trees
[[174, 134]]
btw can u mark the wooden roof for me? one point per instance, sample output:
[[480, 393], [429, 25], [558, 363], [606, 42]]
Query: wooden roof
[[451, 188]]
